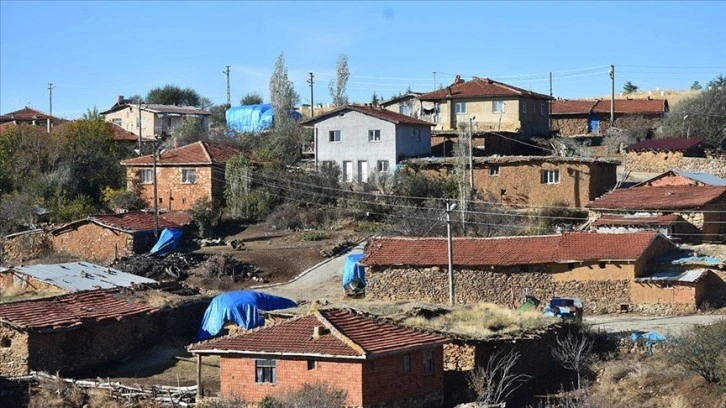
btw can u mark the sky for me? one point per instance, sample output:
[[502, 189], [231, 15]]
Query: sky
[[94, 51]]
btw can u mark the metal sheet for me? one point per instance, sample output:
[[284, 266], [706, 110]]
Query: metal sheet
[[79, 276]]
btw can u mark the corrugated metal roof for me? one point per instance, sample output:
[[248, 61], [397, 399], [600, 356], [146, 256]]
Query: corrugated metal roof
[[691, 276], [705, 178], [80, 276]]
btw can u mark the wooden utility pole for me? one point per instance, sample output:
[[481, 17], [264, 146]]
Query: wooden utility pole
[[612, 95], [50, 103], [449, 208], [229, 94], [312, 103]]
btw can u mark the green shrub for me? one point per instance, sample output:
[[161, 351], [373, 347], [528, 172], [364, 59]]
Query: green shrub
[[205, 216], [702, 351], [315, 236]]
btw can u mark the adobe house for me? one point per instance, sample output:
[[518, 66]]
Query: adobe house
[[534, 180], [184, 175], [68, 277], [579, 117], [682, 290], [597, 268], [702, 207], [378, 364], [70, 333], [656, 155], [104, 238]]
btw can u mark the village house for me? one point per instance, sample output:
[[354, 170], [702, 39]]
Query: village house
[[104, 238], [29, 116], [658, 155], [184, 175], [533, 180], [70, 333], [489, 105], [598, 268], [692, 213], [378, 364], [155, 119], [676, 177], [67, 277], [366, 139], [407, 104], [580, 117]]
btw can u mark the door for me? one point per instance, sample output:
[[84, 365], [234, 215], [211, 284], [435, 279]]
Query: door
[[593, 123], [362, 171], [348, 171]]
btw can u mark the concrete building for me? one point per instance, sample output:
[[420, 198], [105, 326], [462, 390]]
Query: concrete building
[[29, 116], [184, 175], [378, 364], [534, 180], [407, 104], [490, 105], [156, 120], [365, 139]]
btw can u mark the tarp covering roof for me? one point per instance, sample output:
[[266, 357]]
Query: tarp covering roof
[[167, 242], [80, 276], [241, 308], [253, 118]]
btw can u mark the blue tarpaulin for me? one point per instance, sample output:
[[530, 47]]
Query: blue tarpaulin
[[241, 308], [352, 270], [253, 118], [167, 242]]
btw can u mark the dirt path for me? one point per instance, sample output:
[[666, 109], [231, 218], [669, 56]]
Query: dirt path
[[672, 325]]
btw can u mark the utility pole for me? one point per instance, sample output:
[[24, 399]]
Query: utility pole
[[434, 80], [50, 103], [138, 106], [312, 104], [549, 104], [471, 158], [156, 196], [550, 83], [229, 94], [449, 240], [612, 95]]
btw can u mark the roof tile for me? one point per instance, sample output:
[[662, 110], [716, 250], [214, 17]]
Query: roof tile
[[575, 246], [376, 112], [480, 87], [658, 197], [84, 309], [353, 336], [142, 221], [659, 220], [195, 153], [676, 144]]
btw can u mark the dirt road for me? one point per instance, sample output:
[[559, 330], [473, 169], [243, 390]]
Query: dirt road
[[672, 325]]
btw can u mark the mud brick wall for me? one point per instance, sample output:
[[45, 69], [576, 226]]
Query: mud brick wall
[[570, 126], [26, 246], [94, 243], [13, 352], [657, 162], [504, 286]]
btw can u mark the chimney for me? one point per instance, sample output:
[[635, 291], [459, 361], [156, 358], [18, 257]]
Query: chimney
[[319, 331], [120, 100]]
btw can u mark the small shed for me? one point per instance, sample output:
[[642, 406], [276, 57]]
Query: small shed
[[683, 290]]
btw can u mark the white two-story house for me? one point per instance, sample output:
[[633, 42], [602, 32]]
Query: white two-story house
[[366, 139]]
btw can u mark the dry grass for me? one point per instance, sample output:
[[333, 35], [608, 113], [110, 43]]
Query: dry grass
[[475, 321], [15, 293]]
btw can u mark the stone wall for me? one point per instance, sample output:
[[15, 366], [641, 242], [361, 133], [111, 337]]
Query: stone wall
[[13, 352], [569, 126], [21, 247], [658, 162], [94, 243], [505, 286]]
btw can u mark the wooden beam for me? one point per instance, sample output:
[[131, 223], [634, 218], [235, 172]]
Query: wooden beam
[[199, 377]]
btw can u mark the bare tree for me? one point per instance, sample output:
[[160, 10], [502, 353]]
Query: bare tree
[[337, 88], [574, 352], [282, 93], [494, 383]]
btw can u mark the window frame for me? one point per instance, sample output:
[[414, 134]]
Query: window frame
[[458, 106], [550, 176], [499, 104], [380, 168], [524, 107], [335, 136], [263, 367], [185, 175], [312, 365], [428, 362], [150, 173], [494, 171], [118, 122], [542, 109], [374, 135], [407, 363]]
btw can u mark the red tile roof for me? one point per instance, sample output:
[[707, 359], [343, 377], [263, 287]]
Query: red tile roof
[[575, 246], [633, 106], [681, 197], [192, 154], [28, 114], [569, 107], [376, 112], [350, 335], [122, 135], [142, 221], [84, 309], [657, 221], [480, 87], [676, 144]]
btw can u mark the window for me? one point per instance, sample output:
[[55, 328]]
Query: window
[[189, 176], [542, 109], [265, 371], [418, 135], [497, 106], [428, 362], [374, 135], [524, 107], [146, 176], [406, 363], [326, 164], [117, 121], [382, 165], [6, 342], [460, 107], [334, 135], [494, 170], [550, 176], [312, 364], [602, 265]]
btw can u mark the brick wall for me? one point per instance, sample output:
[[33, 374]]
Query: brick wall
[[172, 193], [94, 243]]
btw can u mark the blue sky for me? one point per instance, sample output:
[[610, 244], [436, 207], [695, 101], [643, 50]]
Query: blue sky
[[94, 51]]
